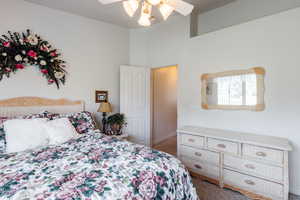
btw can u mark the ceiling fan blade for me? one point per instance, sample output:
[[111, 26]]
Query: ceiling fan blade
[[108, 1], [182, 7]]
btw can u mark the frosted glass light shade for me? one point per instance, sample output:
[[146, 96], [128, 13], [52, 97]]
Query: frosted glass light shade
[[130, 6], [145, 14], [144, 21], [154, 2], [165, 10]]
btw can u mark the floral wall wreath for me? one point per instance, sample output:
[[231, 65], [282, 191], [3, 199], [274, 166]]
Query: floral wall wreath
[[18, 51]]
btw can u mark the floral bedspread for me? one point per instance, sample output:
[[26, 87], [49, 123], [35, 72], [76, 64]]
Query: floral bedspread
[[94, 167]]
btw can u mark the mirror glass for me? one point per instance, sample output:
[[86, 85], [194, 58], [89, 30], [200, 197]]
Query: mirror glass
[[241, 89]]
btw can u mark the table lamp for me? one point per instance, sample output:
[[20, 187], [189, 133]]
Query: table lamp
[[104, 107]]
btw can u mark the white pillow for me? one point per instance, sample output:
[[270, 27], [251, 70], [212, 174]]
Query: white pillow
[[23, 134], [60, 130]]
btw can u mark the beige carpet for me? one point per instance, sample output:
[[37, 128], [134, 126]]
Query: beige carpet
[[205, 190]]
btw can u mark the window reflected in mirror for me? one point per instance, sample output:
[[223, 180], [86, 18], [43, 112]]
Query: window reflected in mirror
[[240, 90]]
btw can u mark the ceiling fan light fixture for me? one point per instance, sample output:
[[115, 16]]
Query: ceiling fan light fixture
[[146, 8], [144, 21], [130, 6], [165, 10], [145, 14], [154, 2]]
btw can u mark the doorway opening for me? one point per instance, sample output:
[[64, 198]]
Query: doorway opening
[[164, 108]]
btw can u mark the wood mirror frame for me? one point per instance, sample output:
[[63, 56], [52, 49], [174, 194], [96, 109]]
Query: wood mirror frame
[[260, 74]]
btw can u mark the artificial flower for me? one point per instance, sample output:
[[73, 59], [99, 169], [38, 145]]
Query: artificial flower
[[18, 58], [44, 48], [6, 44], [44, 71], [33, 40], [19, 66], [53, 54], [16, 54], [42, 62], [59, 75], [32, 53]]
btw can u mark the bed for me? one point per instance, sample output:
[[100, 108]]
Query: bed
[[92, 166]]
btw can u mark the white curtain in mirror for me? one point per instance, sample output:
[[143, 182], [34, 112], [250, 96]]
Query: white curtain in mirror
[[236, 90]]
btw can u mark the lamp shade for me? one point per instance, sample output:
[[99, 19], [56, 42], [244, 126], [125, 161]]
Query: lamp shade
[[165, 10], [105, 107], [130, 6]]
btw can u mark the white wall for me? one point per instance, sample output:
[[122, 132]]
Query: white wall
[[161, 44], [272, 42], [93, 51], [240, 11]]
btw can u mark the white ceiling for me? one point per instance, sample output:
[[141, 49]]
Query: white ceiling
[[114, 13]]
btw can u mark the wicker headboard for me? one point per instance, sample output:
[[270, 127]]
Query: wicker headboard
[[32, 105]]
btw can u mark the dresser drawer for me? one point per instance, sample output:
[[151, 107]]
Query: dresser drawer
[[223, 145], [200, 155], [256, 185], [274, 156], [254, 168], [192, 140], [202, 168]]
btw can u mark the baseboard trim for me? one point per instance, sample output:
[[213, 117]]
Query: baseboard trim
[[294, 191], [163, 139]]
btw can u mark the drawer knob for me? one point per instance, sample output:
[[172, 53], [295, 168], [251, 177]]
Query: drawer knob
[[249, 166], [198, 166], [198, 154], [249, 182], [261, 154], [191, 140], [223, 146]]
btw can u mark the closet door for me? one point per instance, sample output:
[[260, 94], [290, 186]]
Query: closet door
[[135, 102]]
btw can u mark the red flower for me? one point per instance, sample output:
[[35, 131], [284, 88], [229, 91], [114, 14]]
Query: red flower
[[53, 54], [19, 66], [44, 48], [6, 44], [32, 53], [50, 81], [44, 71], [7, 69]]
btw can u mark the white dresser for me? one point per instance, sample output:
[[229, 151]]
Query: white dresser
[[255, 165]]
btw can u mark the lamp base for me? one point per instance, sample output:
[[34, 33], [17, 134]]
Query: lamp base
[[104, 122]]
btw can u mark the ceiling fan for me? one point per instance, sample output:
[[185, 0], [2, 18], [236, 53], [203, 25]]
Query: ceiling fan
[[166, 7]]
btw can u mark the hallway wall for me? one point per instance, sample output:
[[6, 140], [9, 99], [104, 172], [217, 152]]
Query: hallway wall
[[164, 103]]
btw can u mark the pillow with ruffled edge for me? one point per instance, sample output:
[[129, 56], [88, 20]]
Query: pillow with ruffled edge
[[25, 134], [44, 114]]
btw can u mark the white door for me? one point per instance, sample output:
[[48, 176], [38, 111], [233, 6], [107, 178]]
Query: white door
[[135, 102]]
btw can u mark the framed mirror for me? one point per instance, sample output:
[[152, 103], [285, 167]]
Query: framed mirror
[[234, 90]]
